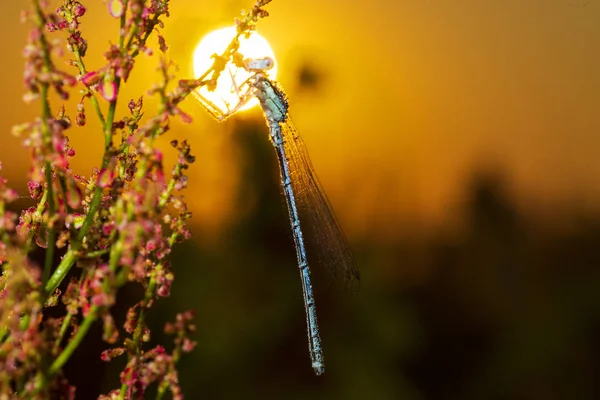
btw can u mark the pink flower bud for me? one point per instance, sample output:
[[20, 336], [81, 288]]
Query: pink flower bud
[[79, 10], [188, 345], [61, 162], [91, 78], [151, 245], [158, 155], [105, 178], [115, 8], [35, 189], [74, 196], [9, 195], [108, 228], [69, 80], [80, 119], [108, 90], [185, 118], [109, 354], [59, 144]]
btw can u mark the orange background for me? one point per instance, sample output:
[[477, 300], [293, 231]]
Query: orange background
[[413, 112]]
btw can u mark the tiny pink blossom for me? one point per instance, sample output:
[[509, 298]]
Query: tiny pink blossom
[[59, 144], [185, 118], [158, 155], [35, 189], [100, 299], [79, 10], [109, 354], [108, 228], [51, 27], [10, 195], [74, 196], [151, 245], [115, 8], [69, 80], [91, 78], [188, 345], [61, 162], [105, 178], [80, 119], [108, 90], [162, 44], [75, 220]]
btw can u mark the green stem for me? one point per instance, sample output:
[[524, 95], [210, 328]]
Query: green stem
[[89, 218], [93, 99], [36, 217], [46, 112], [167, 193], [52, 234], [49, 255], [61, 271], [162, 389], [94, 254], [61, 334], [68, 351], [47, 65], [115, 254], [108, 126], [122, 23], [3, 332], [69, 258], [137, 335], [74, 343]]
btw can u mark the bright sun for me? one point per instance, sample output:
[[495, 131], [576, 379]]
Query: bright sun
[[225, 95]]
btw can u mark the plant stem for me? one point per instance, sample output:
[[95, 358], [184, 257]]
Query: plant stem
[[52, 234], [46, 114], [137, 335], [63, 329], [61, 271], [74, 343], [93, 99], [49, 255], [167, 193], [97, 253]]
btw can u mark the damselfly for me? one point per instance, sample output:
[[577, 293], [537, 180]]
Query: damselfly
[[305, 198]]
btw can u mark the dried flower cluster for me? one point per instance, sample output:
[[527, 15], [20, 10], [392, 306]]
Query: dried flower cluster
[[117, 225]]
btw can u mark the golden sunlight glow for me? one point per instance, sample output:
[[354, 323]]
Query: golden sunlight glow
[[226, 95]]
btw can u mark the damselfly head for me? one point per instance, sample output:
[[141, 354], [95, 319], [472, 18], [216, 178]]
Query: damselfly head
[[231, 90], [259, 64]]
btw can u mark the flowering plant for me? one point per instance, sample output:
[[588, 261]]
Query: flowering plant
[[117, 225]]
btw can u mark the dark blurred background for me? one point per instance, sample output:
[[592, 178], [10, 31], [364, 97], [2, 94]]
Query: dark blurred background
[[458, 143]]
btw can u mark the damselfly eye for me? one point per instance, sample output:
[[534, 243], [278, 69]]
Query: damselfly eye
[[259, 64], [268, 62]]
